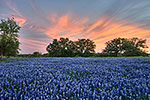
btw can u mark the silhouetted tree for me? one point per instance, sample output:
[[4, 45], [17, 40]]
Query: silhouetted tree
[[135, 47], [67, 48], [9, 43], [54, 48], [85, 47], [61, 48], [115, 46], [126, 47], [36, 54]]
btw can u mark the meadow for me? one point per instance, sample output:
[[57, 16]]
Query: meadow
[[75, 79]]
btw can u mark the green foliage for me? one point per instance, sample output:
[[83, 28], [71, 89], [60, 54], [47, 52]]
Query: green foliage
[[36, 54], [9, 43], [102, 55], [60, 48], [125, 47], [134, 47], [85, 47], [67, 48], [114, 47], [45, 55], [25, 55]]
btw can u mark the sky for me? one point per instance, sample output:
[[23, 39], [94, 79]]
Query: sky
[[41, 21]]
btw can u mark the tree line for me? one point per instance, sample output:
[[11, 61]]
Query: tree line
[[86, 48], [64, 47], [68, 48], [126, 47]]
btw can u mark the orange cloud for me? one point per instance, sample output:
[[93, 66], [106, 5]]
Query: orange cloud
[[20, 20], [34, 42], [117, 30], [64, 26], [18, 17], [101, 31], [95, 25]]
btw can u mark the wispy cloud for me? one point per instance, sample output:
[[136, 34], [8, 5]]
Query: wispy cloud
[[35, 45], [62, 26], [102, 30], [18, 17], [122, 18]]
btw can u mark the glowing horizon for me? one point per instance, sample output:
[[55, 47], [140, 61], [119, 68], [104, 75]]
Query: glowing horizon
[[40, 27]]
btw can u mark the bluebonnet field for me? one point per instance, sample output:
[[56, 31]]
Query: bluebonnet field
[[75, 78]]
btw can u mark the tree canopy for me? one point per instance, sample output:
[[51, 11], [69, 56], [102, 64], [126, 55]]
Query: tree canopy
[[85, 47], [9, 43], [68, 48], [126, 47], [36, 54]]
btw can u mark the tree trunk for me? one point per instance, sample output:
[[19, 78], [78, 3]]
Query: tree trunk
[[1, 55], [116, 53]]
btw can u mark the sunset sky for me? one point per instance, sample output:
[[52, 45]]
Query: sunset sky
[[98, 20]]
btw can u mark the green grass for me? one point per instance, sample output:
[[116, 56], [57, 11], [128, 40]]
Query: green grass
[[147, 58], [10, 59]]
